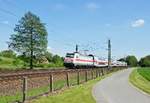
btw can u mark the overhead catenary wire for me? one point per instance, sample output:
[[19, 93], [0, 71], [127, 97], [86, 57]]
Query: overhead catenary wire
[[8, 12], [8, 2]]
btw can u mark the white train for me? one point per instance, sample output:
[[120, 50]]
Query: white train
[[77, 59]]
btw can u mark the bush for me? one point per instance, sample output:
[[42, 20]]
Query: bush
[[131, 61], [18, 62], [48, 56], [8, 54], [48, 65], [145, 62], [5, 60], [57, 60]]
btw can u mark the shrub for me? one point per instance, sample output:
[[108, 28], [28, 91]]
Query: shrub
[[131, 61], [8, 54], [145, 62], [18, 62]]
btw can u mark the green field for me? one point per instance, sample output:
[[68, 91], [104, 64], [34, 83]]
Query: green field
[[145, 72], [141, 78]]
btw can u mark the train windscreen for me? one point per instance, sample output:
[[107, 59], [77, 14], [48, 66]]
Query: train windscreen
[[70, 55]]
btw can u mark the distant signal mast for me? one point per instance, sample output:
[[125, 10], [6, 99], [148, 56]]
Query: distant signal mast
[[76, 48], [109, 53]]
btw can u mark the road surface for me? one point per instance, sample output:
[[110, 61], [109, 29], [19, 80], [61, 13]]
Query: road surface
[[117, 89]]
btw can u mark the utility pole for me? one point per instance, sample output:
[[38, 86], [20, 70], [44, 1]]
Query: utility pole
[[109, 54], [76, 48]]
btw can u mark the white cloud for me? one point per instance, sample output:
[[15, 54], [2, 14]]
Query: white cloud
[[92, 6], [5, 22], [138, 23]]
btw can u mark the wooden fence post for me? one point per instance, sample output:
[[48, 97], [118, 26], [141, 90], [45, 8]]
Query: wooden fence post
[[108, 69], [67, 77], [24, 89], [92, 73], [96, 73], [51, 82], [99, 72], [86, 76], [102, 71], [78, 77]]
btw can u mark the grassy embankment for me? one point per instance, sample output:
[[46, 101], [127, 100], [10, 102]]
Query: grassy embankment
[[76, 94], [141, 79], [36, 91], [17, 64], [10, 63]]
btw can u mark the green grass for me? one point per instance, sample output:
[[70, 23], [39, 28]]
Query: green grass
[[35, 91], [145, 72], [77, 94], [15, 64], [9, 99], [74, 95], [138, 79], [10, 63]]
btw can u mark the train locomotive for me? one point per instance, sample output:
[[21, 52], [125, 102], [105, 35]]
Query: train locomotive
[[77, 60]]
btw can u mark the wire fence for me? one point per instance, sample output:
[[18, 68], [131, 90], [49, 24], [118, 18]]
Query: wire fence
[[22, 88]]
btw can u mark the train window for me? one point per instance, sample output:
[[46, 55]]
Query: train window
[[70, 55], [76, 56]]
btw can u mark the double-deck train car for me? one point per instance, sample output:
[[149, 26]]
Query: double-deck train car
[[77, 59]]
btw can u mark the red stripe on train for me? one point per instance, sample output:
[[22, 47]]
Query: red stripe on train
[[90, 61], [82, 60]]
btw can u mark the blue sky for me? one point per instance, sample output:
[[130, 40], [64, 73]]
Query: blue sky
[[88, 23]]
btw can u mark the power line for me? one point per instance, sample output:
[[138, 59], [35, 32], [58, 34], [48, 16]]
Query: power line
[[8, 12], [12, 4]]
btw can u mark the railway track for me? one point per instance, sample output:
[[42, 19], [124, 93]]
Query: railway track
[[19, 74]]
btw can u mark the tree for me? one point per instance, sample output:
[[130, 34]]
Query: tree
[[24, 58], [145, 61], [8, 53], [131, 61], [48, 56], [41, 59], [57, 59], [30, 38]]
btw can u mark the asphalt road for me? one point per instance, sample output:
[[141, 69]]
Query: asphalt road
[[117, 89]]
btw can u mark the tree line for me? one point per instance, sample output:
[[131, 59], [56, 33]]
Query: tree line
[[45, 60], [132, 61]]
